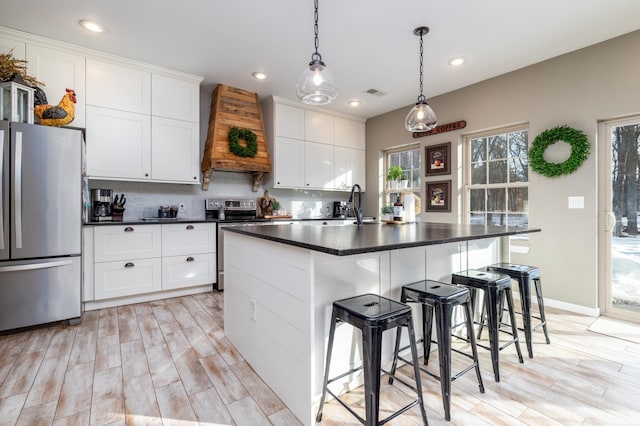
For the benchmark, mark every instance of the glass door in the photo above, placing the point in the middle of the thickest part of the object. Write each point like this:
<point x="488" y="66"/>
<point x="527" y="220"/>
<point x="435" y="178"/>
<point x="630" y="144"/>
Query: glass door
<point x="619" y="197"/>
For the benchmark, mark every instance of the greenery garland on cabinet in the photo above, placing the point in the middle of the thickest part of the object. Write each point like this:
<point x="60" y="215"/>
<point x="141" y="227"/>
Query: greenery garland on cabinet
<point x="250" y="150"/>
<point x="579" y="151"/>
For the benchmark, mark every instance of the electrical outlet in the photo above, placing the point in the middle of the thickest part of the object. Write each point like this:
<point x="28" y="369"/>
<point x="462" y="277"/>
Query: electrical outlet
<point x="252" y="314"/>
<point x="181" y="207"/>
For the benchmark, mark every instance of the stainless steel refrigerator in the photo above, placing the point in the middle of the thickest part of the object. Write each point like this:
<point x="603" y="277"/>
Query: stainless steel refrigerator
<point x="40" y="224"/>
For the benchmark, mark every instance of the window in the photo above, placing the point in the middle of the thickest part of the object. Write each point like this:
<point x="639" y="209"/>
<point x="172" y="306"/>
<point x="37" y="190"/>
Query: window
<point x="497" y="190"/>
<point x="408" y="158"/>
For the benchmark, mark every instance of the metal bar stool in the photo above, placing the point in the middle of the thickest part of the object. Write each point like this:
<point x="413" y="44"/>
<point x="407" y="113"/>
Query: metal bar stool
<point x="493" y="285"/>
<point x="524" y="275"/>
<point x="372" y="314"/>
<point x="440" y="299"/>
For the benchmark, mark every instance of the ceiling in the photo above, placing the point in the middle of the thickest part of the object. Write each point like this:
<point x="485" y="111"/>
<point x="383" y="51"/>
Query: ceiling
<point x="368" y="44"/>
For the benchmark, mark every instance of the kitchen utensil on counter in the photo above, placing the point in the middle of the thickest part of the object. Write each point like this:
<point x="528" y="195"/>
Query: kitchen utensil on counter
<point x="102" y="206"/>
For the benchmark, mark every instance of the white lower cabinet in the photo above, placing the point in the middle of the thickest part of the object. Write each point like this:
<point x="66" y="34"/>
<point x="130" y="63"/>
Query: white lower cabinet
<point x="131" y="263"/>
<point x="126" y="278"/>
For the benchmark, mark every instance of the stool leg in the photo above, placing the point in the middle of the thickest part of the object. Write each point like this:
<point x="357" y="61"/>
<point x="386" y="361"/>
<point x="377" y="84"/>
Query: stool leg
<point x="538" y="285"/>
<point x="491" y="302"/>
<point x="416" y="370"/>
<point x="472" y="341"/>
<point x="482" y="319"/>
<point x="525" y="299"/>
<point x="512" y="318"/>
<point x="427" y="317"/>
<point x="332" y="332"/>
<point x="395" y="355"/>
<point x="372" y="354"/>
<point x="443" y="330"/>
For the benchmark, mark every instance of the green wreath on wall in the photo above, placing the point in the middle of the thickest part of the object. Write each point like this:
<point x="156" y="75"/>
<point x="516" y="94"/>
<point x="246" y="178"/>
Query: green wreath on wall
<point x="250" y="150"/>
<point x="579" y="151"/>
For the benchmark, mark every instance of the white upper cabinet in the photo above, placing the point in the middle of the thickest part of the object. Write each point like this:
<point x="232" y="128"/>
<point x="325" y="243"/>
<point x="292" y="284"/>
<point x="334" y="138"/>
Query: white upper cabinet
<point x="59" y="70"/>
<point x="288" y="156"/>
<point x="357" y="135"/>
<point x="118" y="144"/>
<point x="288" y="121"/>
<point x="349" y="133"/>
<point x="175" y="98"/>
<point x="318" y="127"/>
<point x="176" y="149"/>
<point x="120" y="87"/>
<point x="318" y="165"/>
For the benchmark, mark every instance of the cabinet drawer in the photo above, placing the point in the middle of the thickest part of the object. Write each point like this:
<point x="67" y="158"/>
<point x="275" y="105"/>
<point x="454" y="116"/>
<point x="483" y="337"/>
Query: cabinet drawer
<point x="187" y="271"/>
<point x="188" y="238"/>
<point x="126" y="242"/>
<point x="126" y="278"/>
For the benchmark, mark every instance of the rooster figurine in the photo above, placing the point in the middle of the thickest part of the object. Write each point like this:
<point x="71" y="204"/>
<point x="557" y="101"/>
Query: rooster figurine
<point x="57" y="115"/>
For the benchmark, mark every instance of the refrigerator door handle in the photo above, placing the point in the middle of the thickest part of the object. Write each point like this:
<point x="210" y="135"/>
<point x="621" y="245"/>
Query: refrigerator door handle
<point x="17" y="182"/>
<point x="1" y="189"/>
<point x="32" y="266"/>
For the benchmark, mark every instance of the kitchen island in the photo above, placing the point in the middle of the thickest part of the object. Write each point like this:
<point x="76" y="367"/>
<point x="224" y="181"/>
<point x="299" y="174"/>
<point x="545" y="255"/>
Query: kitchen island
<point x="282" y="280"/>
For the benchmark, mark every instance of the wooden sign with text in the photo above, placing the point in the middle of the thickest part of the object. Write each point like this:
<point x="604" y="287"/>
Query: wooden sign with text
<point x="449" y="127"/>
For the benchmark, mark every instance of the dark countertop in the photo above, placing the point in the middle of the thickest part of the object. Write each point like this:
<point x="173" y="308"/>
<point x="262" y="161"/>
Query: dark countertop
<point x="349" y="239"/>
<point x="187" y="220"/>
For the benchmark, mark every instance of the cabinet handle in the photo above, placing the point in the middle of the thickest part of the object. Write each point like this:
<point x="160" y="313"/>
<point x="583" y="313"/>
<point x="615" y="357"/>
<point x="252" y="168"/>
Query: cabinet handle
<point x="129" y="265"/>
<point x="278" y="183"/>
<point x="195" y="178"/>
<point x="146" y="175"/>
<point x="190" y="259"/>
<point x="189" y="227"/>
<point x="128" y="229"/>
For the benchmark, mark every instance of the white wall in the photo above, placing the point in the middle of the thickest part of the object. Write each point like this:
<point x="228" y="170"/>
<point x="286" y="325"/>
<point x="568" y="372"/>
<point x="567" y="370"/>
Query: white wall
<point x="578" y="89"/>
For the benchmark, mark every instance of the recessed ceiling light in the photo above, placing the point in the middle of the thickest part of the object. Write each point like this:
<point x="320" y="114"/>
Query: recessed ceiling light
<point x="456" y="62"/>
<point x="354" y="103"/>
<point x="92" y="26"/>
<point x="259" y="75"/>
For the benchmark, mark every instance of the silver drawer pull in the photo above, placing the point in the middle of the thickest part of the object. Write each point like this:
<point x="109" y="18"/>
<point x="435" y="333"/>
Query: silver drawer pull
<point x="189" y="227"/>
<point x="129" y="265"/>
<point x="128" y="229"/>
<point x="190" y="259"/>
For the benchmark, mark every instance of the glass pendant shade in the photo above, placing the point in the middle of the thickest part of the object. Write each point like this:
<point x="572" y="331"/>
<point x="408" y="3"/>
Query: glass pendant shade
<point x="316" y="85"/>
<point x="421" y="118"/>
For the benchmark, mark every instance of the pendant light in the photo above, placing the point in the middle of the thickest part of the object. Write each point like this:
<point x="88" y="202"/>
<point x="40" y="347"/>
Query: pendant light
<point x="316" y="85"/>
<point x="421" y="118"/>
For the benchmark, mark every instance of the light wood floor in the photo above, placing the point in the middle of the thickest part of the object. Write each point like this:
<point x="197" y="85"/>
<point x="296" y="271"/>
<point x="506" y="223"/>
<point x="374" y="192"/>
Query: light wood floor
<point x="168" y="362"/>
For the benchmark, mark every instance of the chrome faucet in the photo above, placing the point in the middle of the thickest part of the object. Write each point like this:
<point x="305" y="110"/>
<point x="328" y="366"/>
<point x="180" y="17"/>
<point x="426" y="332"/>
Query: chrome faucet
<point x="357" y="210"/>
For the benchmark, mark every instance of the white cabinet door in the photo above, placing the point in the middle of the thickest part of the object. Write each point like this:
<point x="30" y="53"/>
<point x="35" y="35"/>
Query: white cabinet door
<point x="175" y="98"/>
<point x="188" y="271"/>
<point x="343" y="176"/>
<point x="127" y="277"/>
<point x="188" y="238"/>
<point x="176" y="147"/>
<point x="288" y="163"/>
<point x="318" y="127"/>
<point x="357" y="135"/>
<point x="118" y="144"/>
<point x="127" y="242"/>
<point x="59" y="70"/>
<point x="318" y="165"/>
<point x="116" y="86"/>
<point x="289" y="121"/>
<point x="341" y="132"/>
<point x="358" y="167"/>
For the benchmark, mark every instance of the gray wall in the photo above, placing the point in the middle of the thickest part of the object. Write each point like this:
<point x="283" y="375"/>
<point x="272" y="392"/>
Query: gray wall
<point x="578" y="89"/>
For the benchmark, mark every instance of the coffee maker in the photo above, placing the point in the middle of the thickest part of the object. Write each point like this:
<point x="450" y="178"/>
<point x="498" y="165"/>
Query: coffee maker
<point x="340" y="209"/>
<point x="101" y="205"/>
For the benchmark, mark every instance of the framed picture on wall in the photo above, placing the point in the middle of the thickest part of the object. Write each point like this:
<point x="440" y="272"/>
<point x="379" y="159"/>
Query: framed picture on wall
<point x="438" y="159"/>
<point x="438" y="196"/>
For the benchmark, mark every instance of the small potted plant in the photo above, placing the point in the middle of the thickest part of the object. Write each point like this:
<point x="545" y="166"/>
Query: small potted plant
<point x="394" y="173"/>
<point x="277" y="209"/>
<point x="386" y="212"/>
<point x="404" y="180"/>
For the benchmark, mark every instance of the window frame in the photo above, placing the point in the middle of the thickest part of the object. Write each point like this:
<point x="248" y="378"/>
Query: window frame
<point x="387" y="192"/>
<point x="466" y="140"/>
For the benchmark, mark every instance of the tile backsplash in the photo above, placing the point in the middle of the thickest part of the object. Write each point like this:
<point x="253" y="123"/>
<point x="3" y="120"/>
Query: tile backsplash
<point x="143" y="199"/>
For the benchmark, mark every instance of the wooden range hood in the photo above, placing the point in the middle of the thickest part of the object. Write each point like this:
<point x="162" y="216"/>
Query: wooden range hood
<point x="234" y="107"/>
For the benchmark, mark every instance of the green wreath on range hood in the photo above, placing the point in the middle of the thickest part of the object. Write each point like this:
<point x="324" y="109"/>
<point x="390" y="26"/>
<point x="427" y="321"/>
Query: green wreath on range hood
<point x="580" y="148"/>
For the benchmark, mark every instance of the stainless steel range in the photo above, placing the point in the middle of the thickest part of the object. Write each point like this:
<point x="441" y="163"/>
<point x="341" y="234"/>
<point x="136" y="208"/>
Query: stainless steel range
<point x="232" y="212"/>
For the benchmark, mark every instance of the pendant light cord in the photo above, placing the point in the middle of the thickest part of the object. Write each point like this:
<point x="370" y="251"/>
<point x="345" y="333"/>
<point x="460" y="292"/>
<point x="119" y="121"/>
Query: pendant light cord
<point x="316" y="55"/>
<point x="421" y="96"/>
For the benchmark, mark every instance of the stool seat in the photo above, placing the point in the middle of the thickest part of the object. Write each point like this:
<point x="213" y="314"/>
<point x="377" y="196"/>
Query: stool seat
<point x="493" y="285"/>
<point x="524" y="274"/>
<point x="372" y="314"/>
<point x="439" y="300"/>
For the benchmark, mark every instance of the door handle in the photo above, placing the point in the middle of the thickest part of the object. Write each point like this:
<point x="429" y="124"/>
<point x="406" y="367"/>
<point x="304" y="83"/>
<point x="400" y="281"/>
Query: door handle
<point x="610" y="220"/>
<point x="17" y="186"/>
<point x="32" y="266"/>
<point x="1" y="190"/>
